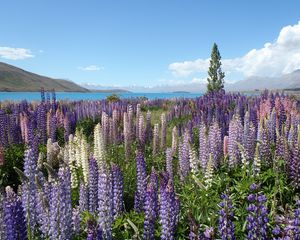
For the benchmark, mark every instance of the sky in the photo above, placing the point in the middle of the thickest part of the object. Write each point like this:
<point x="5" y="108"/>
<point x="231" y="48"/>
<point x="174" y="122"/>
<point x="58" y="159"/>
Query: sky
<point x="148" y="43"/>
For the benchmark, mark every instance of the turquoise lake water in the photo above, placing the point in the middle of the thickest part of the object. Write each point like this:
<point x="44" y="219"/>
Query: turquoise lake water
<point x="36" y="96"/>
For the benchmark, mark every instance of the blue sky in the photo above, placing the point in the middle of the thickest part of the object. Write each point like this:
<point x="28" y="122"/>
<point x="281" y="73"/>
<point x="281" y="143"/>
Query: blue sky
<point x="146" y="43"/>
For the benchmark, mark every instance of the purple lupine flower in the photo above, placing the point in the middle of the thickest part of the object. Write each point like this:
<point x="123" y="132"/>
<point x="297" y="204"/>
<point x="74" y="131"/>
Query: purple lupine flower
<point x="208" y="233"/>
<point x="9" y="215"/>
<point x="258" y="215"/>
<point x="105" y="206"/>
<point x="20" y="220"/>
<point x="155" y="139"/>
<point x="271" y="126"/>
<point x="54" y="211"/>
<point x="183" y="157"/>
<point x="76" y="220"/>
<point x="215" y="144"/>
<point x="249" y="137"/>
<point x="169" y="211"/>
<point x="151" y="205"/>
<point x="148" y="127"/>
<point x="83" y="197"/>
<point x="265" y="152"/>
<point x="117" y="185"/>
<point x="297" y="221"/>
<point x="29" y="189"/>
<point x="93" y="185"/>
<point x="226" y="226"/>
<point x="203" y="146"/>
<point x="169" y="162"/>
<point x="65" y="203"/>
<point x="91" y="230"/>
<point x="141" y="182"/>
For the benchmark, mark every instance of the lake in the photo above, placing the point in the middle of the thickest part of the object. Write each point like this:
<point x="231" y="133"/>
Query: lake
<point x="36" y="96"/>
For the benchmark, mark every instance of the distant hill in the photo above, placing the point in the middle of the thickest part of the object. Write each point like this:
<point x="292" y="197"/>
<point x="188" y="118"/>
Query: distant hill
<point x="286" y="81"/>
<point x="13" y="79"/>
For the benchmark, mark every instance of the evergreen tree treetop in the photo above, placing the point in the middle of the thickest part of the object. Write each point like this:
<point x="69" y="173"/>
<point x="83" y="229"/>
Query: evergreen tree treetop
<point x="215" y="75"/>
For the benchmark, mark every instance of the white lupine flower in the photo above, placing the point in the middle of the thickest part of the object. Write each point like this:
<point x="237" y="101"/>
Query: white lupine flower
<point x="208" y="177"/>
<point x="99" y="147"/>
<point x="194" y="160"/>
<point x="257" y="161"/>
<point x="84" y="159"/>
<point x="155" y="138"/>
<point x="72" y="163"/>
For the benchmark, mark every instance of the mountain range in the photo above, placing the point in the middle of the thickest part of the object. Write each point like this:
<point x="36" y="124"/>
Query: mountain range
<point x="18" y="80"/>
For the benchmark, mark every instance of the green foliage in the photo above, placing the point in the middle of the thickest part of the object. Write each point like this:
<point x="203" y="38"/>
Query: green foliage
<point x="60" y="133"/>
<point x="87" y="127"/>
<point x="13" y="157"/>
<point x="113" y="98"/>
<point x="215" y="75"/>
<point x="129" y="226"/>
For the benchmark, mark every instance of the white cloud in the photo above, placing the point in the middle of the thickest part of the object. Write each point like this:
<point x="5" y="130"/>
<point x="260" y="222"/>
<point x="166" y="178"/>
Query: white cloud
<point x="273" y="59"/>
<point x="15" y="53"/>
<point x="91" y="68"/>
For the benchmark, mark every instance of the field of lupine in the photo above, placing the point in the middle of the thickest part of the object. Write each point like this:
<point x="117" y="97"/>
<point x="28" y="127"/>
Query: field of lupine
<point x="222" y="166"/>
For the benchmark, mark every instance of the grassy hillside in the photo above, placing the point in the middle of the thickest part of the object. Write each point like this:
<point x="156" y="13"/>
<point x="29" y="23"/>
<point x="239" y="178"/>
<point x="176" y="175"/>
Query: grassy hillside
<point x="19" y="80"/>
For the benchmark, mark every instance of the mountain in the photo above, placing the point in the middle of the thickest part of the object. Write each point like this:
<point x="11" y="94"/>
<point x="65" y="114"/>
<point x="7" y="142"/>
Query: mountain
<point x="103" y="89"/>
<point x="286" y="81"/>
<point x="13" y="79"/>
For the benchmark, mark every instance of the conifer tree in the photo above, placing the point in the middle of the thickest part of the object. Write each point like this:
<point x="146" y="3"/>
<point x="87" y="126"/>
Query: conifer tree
<point x="215" y="75"/>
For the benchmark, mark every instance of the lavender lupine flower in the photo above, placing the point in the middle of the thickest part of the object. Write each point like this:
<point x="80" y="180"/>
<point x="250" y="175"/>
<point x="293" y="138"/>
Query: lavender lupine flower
<point x="234" y="137"/>
<point x="76" y="220"/>
<point x="174" y="140"/>
<point x="271" y="126"/>
<point x="279" y="147"/>
<point x="65" y="203"/>
<point x="141" y="182"/>
<point x="248" y="139"/>
<point x="226" y="225"/>
<point x="294" y="168"/>
<point x="203" y="146"/>
<point x="183" y="157"/>
<point x="93" y="185"/>
<point x="151" y="205"/>
<point x="163" y="137"/>
<point x="208" y="233"/>
<point x="169" y="211"/>
<point x="215" y="144"/>
<point x="54" y="211"/>
<point x="117" y="185"/>
<point x="258" y="215"/>
<point x="155" y="139"/>
<point x="91" y="230"/>
<point x="127" y="136"/>
<point x="148" y="127"/>
<point x="20" y="220"/>
<point x="2" y="225"/>
<point x="42" y="206"/>
<point x="141" y="133"/>
<point x="105" y="206"/>
<point x="169" y="162"/>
